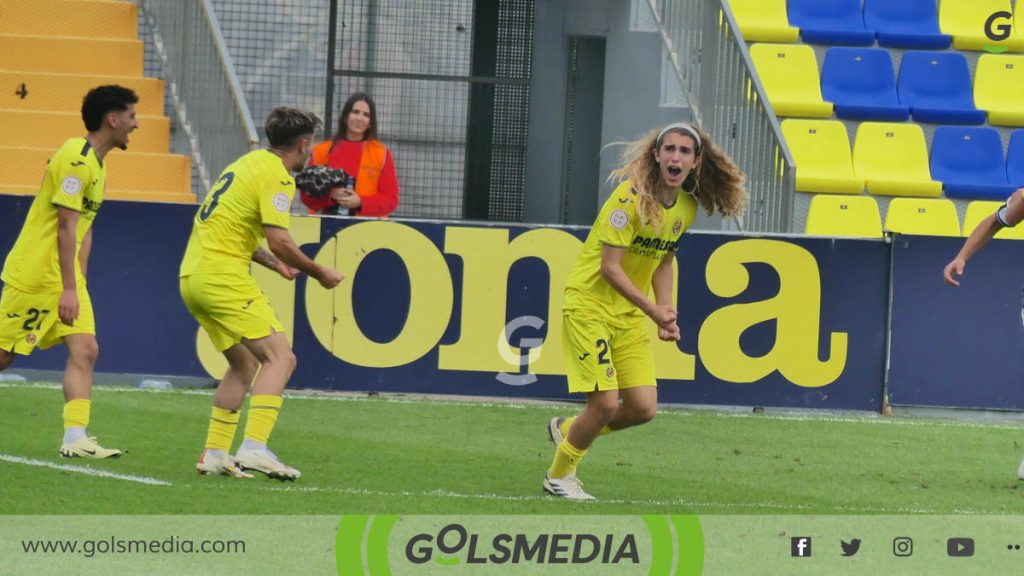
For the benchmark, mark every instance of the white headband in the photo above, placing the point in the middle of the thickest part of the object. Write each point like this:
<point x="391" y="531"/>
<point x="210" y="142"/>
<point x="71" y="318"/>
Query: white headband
<point x="679" y="126"/>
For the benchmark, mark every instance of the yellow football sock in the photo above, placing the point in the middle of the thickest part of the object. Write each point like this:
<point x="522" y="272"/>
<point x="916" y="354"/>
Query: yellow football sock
<point x="263" y="410"/>
<point x="567" y="423"/>
<point x="76" y="413"/>
<point x="221" y="434"/>
<point x="566" y="458"/>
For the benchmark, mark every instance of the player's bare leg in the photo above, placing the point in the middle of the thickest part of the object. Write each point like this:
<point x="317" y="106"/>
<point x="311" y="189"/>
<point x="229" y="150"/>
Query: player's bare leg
<point x="83" y="351"/>
<point x="227" y="404"/>
<point x="639" y="405"/>
<point x="6" y="359"/>
<point x="277" y="363"/>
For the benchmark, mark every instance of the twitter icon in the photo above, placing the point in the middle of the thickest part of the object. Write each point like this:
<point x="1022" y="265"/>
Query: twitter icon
<point x="850" y="548"/>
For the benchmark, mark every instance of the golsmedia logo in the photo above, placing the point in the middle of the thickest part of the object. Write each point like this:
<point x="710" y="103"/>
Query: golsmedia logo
<point x="454" y="540"/>
<point x="388" y="544"/>
<point x="998" y="28"/>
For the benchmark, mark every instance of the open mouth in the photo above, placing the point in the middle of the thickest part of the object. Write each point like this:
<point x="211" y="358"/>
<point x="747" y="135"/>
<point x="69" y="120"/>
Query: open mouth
<point x="675" y="171"/>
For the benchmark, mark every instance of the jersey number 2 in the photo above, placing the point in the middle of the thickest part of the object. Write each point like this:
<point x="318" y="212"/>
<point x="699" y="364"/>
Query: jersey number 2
<point x="219" y="188"/>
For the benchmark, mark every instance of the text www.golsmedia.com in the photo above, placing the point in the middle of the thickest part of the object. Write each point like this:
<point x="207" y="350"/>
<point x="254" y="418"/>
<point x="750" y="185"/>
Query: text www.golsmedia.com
<point x="112" y="545"/>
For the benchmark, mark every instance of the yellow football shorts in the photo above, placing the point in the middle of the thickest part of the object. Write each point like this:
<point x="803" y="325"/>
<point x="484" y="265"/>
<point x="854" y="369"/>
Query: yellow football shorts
<point x="599" y="356"/>
<point x="30" y="320"/>
<point x="229" y="307"/>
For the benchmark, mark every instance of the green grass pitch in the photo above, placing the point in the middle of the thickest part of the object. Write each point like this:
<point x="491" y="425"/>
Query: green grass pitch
<point x="421" y="456"/>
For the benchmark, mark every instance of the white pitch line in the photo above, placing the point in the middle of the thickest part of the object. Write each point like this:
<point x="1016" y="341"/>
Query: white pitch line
<point x="84" y="470"/>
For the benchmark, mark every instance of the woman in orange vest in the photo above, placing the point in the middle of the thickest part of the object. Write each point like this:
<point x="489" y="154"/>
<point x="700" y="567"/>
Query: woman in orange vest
<point x="356" y="150"/>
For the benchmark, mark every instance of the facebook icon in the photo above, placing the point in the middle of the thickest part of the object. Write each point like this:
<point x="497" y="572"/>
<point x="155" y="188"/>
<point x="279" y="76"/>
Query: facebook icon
<point x="800" y="546"/>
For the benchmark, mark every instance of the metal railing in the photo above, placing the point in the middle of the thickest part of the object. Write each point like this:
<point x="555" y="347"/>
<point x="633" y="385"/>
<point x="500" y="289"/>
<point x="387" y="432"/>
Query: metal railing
<point x="729" y="102"/>
<point x="200" y="77"/>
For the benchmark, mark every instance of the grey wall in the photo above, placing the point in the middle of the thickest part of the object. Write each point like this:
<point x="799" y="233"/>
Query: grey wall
<point x="634" y="92"/>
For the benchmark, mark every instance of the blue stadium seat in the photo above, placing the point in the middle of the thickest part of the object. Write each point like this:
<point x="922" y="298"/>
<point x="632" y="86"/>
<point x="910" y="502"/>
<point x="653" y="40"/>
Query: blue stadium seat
<point x="912" y="24"/>
<point x="1015" y="159"/>
<point x="937" y="88"/>
<point x="838" y="22"/>
<point x="969" y="163"/>
<point x="862" y="85"/>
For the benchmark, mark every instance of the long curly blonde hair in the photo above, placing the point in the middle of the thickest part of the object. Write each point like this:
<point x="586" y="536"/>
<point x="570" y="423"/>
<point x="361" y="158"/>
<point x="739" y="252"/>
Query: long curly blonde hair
<point x="715" y="182"/>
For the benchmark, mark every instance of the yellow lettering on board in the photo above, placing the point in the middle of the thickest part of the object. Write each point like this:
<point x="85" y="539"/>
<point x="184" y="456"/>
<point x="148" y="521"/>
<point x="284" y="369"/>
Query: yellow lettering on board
<point x="796" y="310"/>
<point x="431" y="295"/>
<point x="487" y="256"/>
<point x="281" y="292"/>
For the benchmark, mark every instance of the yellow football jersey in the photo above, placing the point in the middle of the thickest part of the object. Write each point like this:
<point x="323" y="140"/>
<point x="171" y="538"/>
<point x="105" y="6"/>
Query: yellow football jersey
<point x="253" y="192"/>
<point x="619" y="224"/>
<point x="74" y="179"/>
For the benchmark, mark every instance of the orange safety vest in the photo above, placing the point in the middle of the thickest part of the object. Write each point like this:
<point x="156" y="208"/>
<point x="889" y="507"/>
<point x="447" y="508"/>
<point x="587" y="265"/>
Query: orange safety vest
<point x="371" y="165"/>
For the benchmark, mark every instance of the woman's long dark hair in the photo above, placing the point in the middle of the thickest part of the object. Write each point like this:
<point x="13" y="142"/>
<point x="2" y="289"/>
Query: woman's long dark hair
<point x="371" y="132"/>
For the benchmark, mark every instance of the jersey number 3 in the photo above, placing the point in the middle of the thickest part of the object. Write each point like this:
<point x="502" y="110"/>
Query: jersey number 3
<point x="219" y="188"/>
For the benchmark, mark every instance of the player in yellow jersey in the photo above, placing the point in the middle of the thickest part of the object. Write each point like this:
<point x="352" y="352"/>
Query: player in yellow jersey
<point x="250" y="201"/>
<point x="45" y="300"/>
<point x="629" y="251"/>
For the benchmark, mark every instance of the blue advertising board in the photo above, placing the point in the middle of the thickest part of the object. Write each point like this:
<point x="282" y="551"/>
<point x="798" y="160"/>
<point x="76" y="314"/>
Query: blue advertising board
<point x="957" y="347"/>
<point x="475" y="309"/>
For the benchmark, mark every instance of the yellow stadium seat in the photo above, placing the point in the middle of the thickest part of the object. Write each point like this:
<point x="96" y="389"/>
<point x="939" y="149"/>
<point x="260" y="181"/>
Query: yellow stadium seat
<point x="764" y="20"/>
<point x="64" y="92"/>
<point x="844" y="216"/>
<point x="981" y="209"/>
<point x="126" y="171"/>
<point x="66" y="54"/>
<point x="998" y="88"/>
<point x="43" y="129"/>
<point x="922" y="217"/>
<point x="789" y="74"/>
<point x="821" y="150"/>
<point x="965" y="20"/>
<point x="893" y="160"/>
<point x="92" y="18"/>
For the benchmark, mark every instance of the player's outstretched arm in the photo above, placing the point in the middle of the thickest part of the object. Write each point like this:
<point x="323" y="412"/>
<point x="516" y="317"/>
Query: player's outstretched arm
<point x="268" y="260"/>
<point x="1011" y="214"/>
<point x="282" y="245"/>
<point x="67" y="238"/>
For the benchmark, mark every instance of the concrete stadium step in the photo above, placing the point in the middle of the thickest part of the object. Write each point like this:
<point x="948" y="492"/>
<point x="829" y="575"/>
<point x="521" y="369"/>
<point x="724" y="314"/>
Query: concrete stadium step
<point x="64" y="92"/>
<point x="126" y="171"/>
<point x="124" y="195"/>
<point x="70" y="54"/>
<point x="85" y="18"/>
<point x="42" y="129"/>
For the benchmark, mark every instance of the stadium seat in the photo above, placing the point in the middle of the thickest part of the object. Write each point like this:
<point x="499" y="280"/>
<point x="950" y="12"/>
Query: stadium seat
<point x="981" y="209"/>
<point x="844" y="216"/>
<point x="937" y="88"/>
<point x="912" y="24"/>
<point x="821" y="150"/>
<point x="922" y="217"/>
<point x="789" y="74"/>
<point x="46" y="129"/>
<point x="127" y="171"/>
<point x="998" y="85"/>
<point x="95" y="19"/>
<point x="764" y="20"/>
<point x="860" y="82"/>
<point x="1015" y="159"/>
<point x="964" y="20"/>
<point x="893" y="160"/>
<point x="969" y="163"/>
<point x="834" y="22"/>
<point x="63" y="92"/>
<point x="71" y="55"/>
